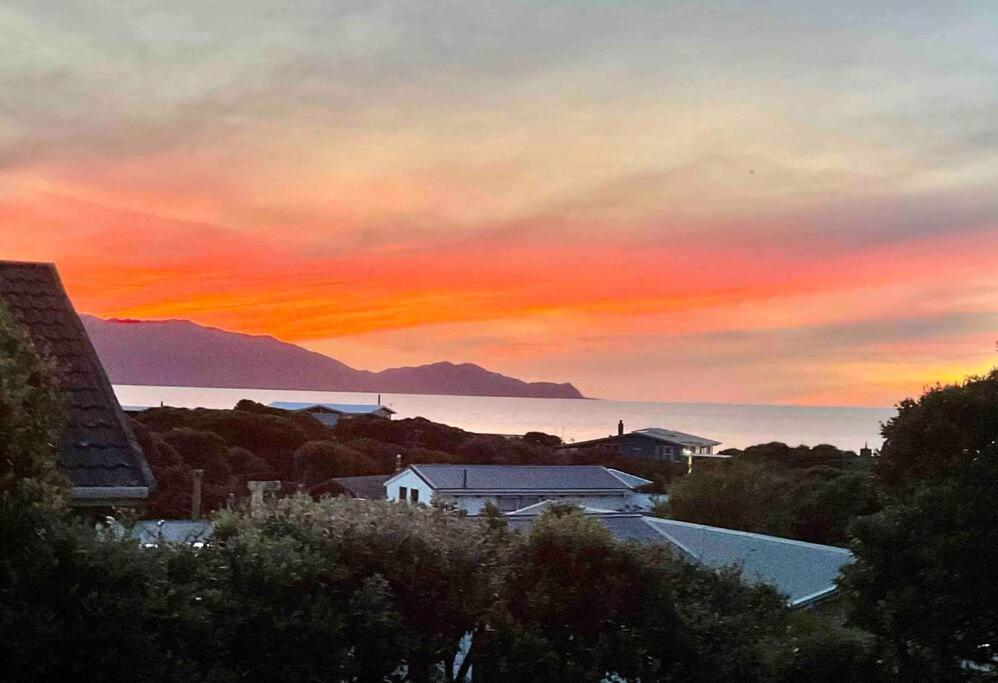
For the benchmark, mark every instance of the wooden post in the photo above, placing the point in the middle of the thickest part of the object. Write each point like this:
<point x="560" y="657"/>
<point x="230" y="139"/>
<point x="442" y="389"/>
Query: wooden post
<point x="197" y="477"/>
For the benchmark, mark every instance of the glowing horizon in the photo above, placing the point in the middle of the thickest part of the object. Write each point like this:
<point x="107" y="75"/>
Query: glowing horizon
<point x="655" y="201"/>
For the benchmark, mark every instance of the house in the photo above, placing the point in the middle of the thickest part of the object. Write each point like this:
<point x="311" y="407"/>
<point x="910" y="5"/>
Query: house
<point x="511" y="487"/>
<point x="104" y="463"/>
<point x="804" y="572"/>
<point x="331" y="413"/>
<point x="652" y="443"/>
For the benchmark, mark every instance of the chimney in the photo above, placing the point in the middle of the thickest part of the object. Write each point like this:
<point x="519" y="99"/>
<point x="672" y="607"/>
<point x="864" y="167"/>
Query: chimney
<point x="197" y="477"/>
<point x="620" y="428"/>
<point x="398" y="462"/>
<point x="464" y="481"/>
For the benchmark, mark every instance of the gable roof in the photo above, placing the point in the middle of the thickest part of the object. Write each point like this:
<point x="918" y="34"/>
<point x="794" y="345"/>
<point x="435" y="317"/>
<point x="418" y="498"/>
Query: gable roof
<point x="660" y="434"/>
<point x="494" y="478"/>
<point x="98" y="450"/>
<point x="344" y="408"/>
<point x="804" y="572"/>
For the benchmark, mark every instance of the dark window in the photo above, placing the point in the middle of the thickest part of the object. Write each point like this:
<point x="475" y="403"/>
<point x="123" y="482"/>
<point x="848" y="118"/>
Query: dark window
<point x="414" y="495"/>
<point x="403" y="492"/>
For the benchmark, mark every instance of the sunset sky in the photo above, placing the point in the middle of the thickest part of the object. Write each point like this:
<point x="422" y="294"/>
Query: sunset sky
<point x="753" y="202"/>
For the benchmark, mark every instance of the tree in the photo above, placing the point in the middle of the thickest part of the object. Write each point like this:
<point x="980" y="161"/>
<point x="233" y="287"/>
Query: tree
<point x="32" y="417"/>
<point x="923" y="580"/>
<point x="811" y="494"/>
<point x="942" y="429"/>
<point x="580" y="606"/>
<point x="318" y="461"/>
<point x="437" y="568"/>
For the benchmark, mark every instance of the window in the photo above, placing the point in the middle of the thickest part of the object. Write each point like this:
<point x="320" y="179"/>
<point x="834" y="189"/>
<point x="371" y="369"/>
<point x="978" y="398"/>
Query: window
<point x="403" y="492"/>
<point x="414" y="495"/>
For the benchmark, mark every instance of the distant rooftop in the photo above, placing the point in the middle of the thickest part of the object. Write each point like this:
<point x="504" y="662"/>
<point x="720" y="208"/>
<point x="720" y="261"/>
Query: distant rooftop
<point x="344" y="408"/>
<point x="805" y="572"/>
<point x="527" y="478"/>
<point x="97" y="449"/>
<point x="672" y="436"/>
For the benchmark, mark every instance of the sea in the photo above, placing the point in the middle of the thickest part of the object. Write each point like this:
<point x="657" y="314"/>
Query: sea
<point x="734" y="425"/>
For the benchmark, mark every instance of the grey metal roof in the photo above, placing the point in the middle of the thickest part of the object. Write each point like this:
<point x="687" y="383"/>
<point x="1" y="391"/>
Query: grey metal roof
<point x="97" y="449"/>
<point x="370" y="487"/>
<point x="674" y="437"/>
<point x="346" y="408"/>
<point x="527" y="478"/>
<point x="804" y="572"/>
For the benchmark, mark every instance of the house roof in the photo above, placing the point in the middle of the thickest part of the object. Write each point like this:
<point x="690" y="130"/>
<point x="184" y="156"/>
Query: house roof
<point x="804" y="572"/>
<point x="370" y="487"/>
<point x="674" y="437"/>
<point x="526" y="478"/>
<point x="98" y="450"/>
<point x="345" y="408"/>
<point x="669" y="436"/>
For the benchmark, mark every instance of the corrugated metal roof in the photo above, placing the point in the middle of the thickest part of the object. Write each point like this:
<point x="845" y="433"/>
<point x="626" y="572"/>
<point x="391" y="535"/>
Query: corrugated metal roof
<point x="97" y="448"/>
<point x="346" y="408"/>
<point x="527" y="477"/>
<point x="804" y="572"/>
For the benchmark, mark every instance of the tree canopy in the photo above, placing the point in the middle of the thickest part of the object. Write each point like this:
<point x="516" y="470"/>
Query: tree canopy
<point x="32" y="416"/>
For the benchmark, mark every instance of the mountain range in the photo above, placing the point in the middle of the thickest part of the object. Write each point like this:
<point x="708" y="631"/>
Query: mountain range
<point x="183" y="353"/>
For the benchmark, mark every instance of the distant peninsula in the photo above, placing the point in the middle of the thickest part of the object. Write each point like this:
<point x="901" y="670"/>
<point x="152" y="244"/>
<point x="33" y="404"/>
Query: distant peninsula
<point x="183" y="353"/>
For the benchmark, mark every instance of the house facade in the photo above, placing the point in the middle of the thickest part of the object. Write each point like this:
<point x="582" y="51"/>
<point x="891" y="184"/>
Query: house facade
<point x="652" y="443"/>
<point x="511" y="487"/>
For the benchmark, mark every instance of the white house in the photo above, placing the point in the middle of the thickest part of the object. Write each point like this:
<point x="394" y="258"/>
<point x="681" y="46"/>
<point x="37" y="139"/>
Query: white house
<point x="511" y="487"/>
<point x="331" y="413"/>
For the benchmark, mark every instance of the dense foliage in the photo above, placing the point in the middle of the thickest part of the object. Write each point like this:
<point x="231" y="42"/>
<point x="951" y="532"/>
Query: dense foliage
<point x="811" y="494"/>
<point x="923" y="581"/>
<point x="31" y="417"/>
<point x="344" y="589"/>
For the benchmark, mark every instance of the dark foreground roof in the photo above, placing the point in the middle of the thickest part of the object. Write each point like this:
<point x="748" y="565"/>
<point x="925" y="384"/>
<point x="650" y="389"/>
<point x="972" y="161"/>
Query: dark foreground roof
<point x="370" y="488"/>
<point x="527" y="478"/>
<point x="804" y="572"/>
<point x="98" y="450"/>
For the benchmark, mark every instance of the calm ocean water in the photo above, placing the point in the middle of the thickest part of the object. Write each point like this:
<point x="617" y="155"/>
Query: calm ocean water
<point x="733" y="425"/>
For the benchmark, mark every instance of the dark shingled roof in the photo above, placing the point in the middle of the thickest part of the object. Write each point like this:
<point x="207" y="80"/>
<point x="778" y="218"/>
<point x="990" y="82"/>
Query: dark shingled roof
<point x="370" y="487"/>
<point x="98" y="449"/>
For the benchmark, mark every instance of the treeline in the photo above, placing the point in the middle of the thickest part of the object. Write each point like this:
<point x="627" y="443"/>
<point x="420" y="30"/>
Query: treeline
<point x="254" y="441"/>
<point x="351" y="590"/>
<point x="811" y="494"/>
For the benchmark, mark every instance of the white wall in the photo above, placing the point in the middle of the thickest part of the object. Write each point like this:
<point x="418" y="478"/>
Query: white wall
<point x="411" y="481"/>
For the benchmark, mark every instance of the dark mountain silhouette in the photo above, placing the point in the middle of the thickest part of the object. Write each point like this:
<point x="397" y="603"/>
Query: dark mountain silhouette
<point x="182" y="353"/>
